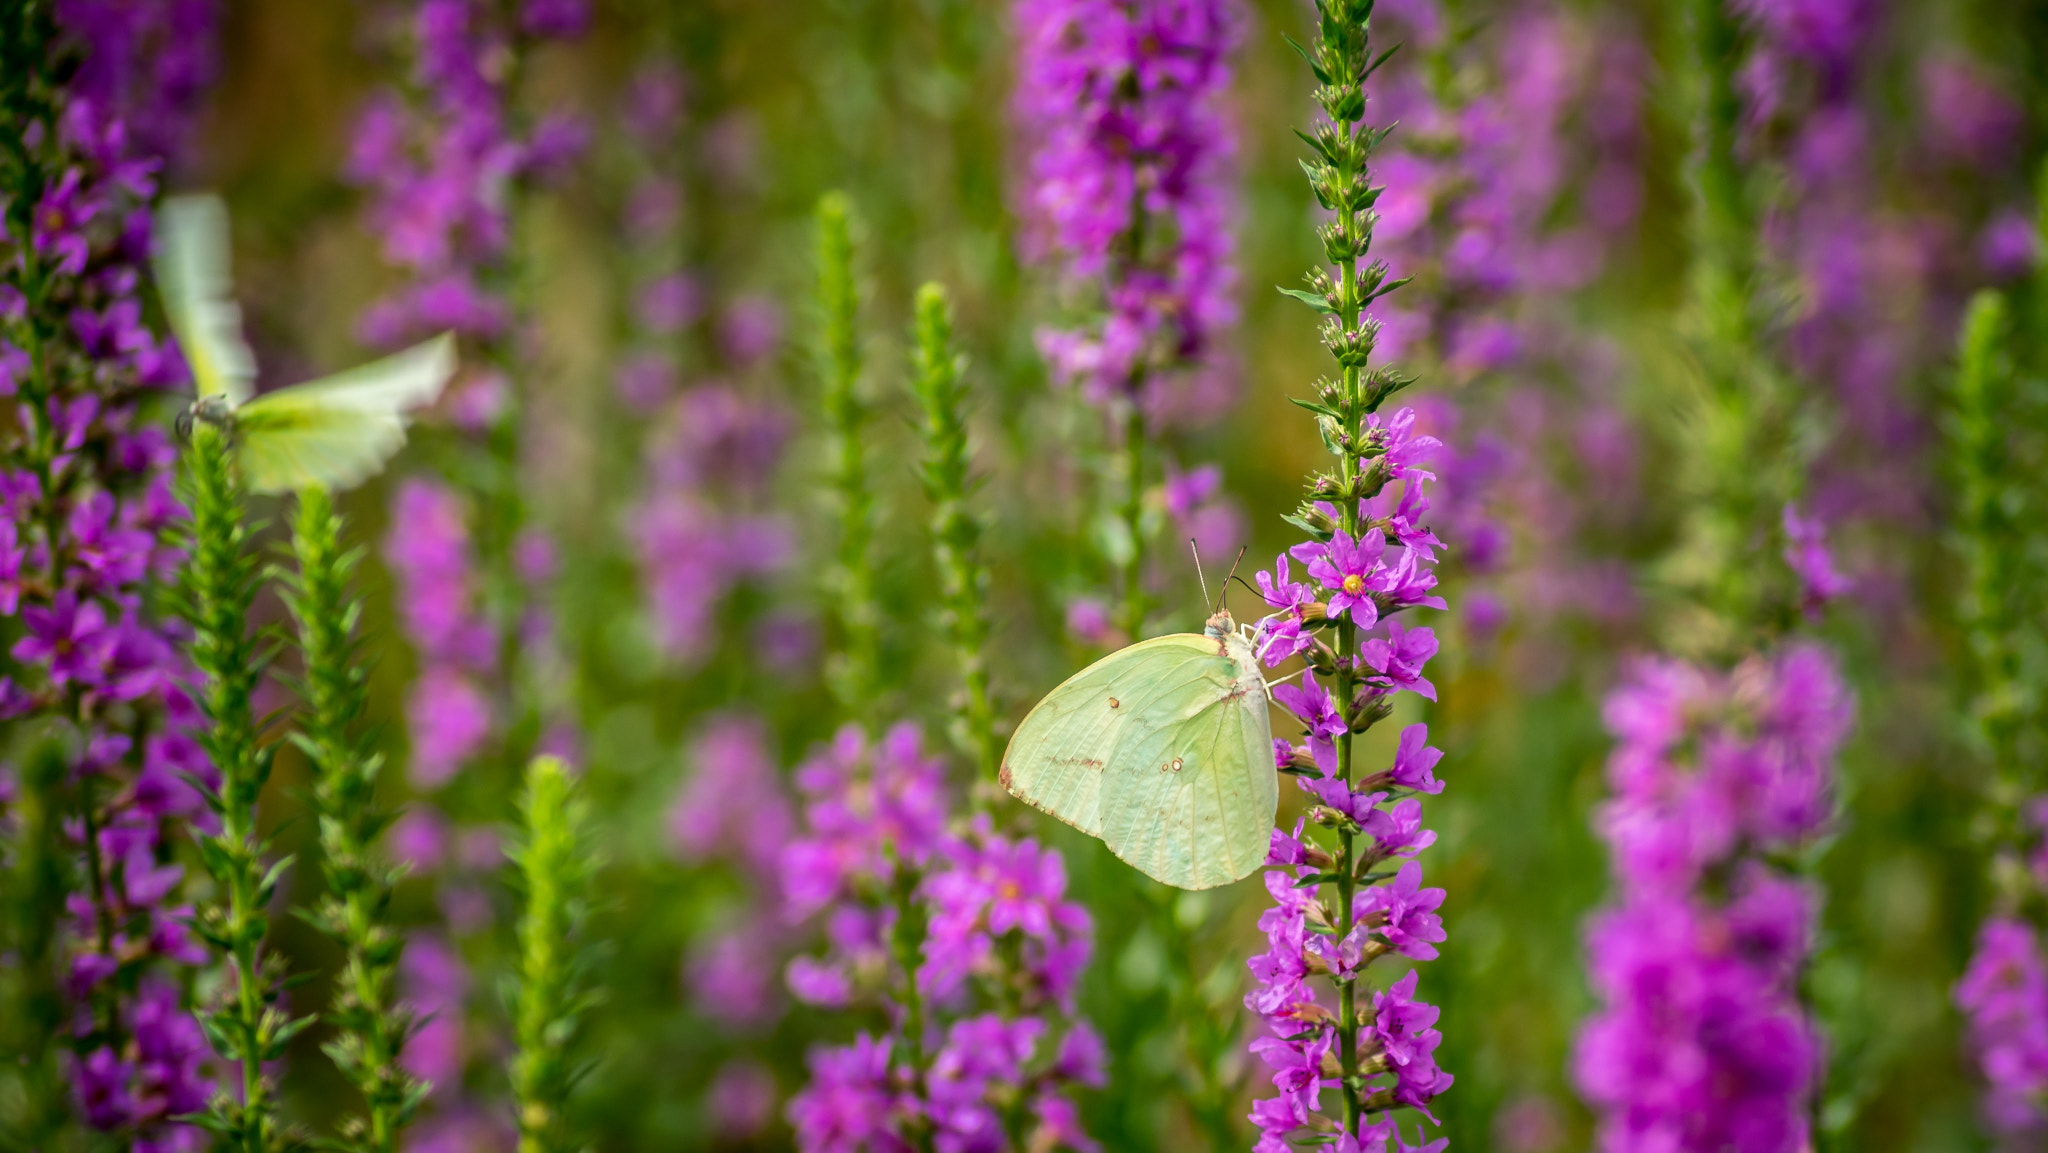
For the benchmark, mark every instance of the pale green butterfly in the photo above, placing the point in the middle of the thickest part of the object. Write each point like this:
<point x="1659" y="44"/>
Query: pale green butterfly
<point x="1164" y="751"/>
<point x="333" y="433"/>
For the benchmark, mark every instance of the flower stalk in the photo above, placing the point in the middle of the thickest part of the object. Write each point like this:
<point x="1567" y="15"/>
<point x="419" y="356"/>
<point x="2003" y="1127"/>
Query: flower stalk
<point x="555" y="868"/>
<point x="371" y="1027"/>
<point x="856" y="661"/>
<point x="938" y="381"/>
<point x="1370" y="559"/>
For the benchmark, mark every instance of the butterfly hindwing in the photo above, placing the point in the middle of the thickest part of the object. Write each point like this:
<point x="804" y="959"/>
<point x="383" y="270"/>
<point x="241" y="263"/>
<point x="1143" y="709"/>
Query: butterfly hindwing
<point x="338" y="431"/>
<point x="1099" y="753"/>
<point x="1190" y="800"/>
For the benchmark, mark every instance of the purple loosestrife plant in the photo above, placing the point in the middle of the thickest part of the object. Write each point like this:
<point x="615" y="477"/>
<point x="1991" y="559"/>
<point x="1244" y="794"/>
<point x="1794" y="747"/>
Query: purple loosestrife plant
<point x="1993" y="444"/>
<point x="93" y="98"/>
<point x="963" y="936"/>
<point x="250" y="1028"/>
<point x="371" y="1026"/>
<point x="1702" y="1043"/>
<point x="1121" y="103"/>
<point x="701" y="528"/>
<point x="1723" y="777"/>
<point x="446" y="158"/>
<point x="1351" y="892"/>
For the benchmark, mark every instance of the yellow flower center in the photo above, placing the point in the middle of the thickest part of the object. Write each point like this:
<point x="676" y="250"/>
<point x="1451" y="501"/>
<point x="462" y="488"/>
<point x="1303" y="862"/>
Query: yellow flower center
<point x="1354" y="585"/>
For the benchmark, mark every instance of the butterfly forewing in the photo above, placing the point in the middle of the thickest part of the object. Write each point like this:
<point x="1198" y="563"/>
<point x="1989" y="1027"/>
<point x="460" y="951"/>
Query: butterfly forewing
<point x="1164" y="751"/>
<point x="1059" y="755"/>
<point x="192" y="273"/>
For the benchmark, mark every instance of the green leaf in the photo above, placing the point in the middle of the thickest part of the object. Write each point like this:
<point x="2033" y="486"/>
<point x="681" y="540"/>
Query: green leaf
<point x="1312" y="299"/>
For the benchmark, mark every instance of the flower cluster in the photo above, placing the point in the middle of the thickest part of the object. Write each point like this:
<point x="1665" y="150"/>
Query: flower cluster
<point x="1366" y="580"/>
<point x="1122" y="104"/>
<point x="1702" y="1043"/>
<point x="1506" y="193"/>
<point x="86" y="497"/>
<point x="969" y="933"/>
<point x="2004" y="998"/>
<point x="695" y="534"/>
<point x="732" y="808"/>
<point x="432" y="563"/>
<point x="440" y="160"/>
<point x="698" y="529"/>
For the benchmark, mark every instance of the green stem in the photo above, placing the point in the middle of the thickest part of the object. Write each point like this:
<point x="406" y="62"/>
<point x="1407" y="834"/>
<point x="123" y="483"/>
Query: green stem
<point x="1131" y="509"/>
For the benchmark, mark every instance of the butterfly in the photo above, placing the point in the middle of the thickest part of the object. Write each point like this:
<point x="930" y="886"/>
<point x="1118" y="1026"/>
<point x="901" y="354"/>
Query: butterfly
<point x="1164" y="751"/>
<point x="333" y="433"/>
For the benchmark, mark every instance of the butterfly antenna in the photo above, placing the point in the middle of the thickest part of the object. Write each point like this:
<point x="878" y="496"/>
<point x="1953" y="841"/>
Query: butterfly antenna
<point x="1193" y="548"/>
<point x="1226" y="580"/>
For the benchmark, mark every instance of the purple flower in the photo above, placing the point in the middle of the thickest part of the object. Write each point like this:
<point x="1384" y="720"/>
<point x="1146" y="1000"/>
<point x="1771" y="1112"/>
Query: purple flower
<point x="1314" y="706"/>
<point x="1398" y="832"/>
<point x="58" y="223"/>
<point x="1414" y="760"/>
<point x="868" y="810"/>
<point x="67" y="637"/>
<point x="1400" y="657"/>
<point x="1121" y="108"/>
<point x="851" y="1104"/>
<point x="1410" y="922"/>
<point x="733" y="803"/>
<point x="2004" y="998"/>
<point x="1806" y="551"/>
<point x="1349" y="569"/>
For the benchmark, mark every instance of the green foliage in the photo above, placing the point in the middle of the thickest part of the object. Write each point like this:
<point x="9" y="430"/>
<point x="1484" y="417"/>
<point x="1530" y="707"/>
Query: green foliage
<point x="371" y="1026"/>
<point x="33" y="1106"/>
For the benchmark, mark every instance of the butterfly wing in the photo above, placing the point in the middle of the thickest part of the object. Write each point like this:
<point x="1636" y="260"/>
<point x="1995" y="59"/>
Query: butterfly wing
<point x="337" y="432"/>
<point x="193" y="274"/>
<point x="1164" y="751"/>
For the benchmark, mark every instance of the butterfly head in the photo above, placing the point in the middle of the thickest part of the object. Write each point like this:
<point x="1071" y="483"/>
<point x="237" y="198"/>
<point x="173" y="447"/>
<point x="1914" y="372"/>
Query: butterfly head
<point x="214" y="409"/>
<point x="1220" y="624"/>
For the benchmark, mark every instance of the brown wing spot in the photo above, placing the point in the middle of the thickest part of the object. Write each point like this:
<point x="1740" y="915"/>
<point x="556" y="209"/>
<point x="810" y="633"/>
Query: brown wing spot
<point x="1003" y="776"/>
<point x="1113" y="702"/>
<point x="1172" y="766"/>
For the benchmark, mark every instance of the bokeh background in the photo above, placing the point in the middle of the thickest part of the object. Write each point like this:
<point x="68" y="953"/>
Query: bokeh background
<point x="1546" y="224"/>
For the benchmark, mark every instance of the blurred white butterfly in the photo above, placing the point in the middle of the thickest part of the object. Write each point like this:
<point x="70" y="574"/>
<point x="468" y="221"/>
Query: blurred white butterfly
<point x="332" y="433"/>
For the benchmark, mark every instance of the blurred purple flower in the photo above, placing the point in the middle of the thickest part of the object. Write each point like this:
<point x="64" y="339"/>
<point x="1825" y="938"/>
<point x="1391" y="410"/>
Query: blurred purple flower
<point x="1121" y="107"/>
<point x="2003" y="995"/>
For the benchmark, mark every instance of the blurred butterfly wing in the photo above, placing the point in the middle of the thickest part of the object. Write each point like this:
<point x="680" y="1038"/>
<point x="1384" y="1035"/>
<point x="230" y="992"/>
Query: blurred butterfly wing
<point x="339" y="431"/>
<point x="396" y="384"/>
<point x="307" y="444"/>
<point x="193" y="274"/>
<point x="1108" y="769"/>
